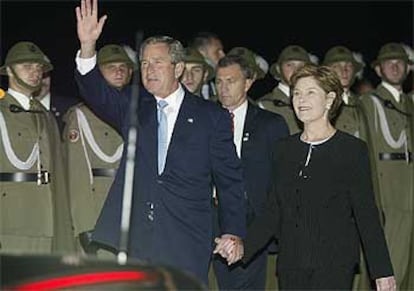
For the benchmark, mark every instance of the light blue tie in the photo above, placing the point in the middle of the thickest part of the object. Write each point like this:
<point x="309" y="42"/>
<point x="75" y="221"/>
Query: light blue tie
<point x="162" y="135"/>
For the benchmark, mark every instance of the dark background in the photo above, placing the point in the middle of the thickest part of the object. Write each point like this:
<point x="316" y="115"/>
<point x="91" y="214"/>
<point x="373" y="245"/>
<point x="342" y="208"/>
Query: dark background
<point x="266" y="27"/>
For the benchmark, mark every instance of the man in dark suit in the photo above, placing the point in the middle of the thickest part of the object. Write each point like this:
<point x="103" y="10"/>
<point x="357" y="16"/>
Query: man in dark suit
<point x="255" y="132"/>
<point x="171" y="212"/>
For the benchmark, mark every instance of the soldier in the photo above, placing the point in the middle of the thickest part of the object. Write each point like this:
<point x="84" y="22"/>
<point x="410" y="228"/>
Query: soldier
<point x="347" y="67"/>
<point x="94" y="149"/>
<point x="57" y="104"/>
<point x="291" y="58"/>
<point x="388" y="112"/>
<point x="197" y="72"/>
<point x="211" y="48"/>
<point x="34" y="207"/>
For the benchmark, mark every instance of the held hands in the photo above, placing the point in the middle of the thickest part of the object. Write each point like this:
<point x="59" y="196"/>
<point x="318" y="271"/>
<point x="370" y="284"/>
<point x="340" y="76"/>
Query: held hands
<point x="229" y="247"/>
<point x="386" y="284"/>
<point x="88" y="27"/>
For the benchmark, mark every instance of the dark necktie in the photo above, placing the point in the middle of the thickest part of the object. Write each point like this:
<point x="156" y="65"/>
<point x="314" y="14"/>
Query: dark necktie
<point x="232" y="121"/>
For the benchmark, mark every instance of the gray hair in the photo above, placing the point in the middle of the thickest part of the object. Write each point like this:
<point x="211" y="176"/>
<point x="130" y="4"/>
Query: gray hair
<point x="175" y="48"/>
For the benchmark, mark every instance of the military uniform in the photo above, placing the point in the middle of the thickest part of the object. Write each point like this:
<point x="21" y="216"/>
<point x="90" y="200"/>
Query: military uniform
<point x="33" y="204"/>
<point x="390" y="140"/>
<point x="34" y="207"/>
<point x="348" y="118"/>
<point x="93" y="150"/>
<point x="278" y="100"/>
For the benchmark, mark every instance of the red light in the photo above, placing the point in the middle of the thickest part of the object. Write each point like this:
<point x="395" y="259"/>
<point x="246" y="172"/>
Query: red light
<point x="86" y="279"/>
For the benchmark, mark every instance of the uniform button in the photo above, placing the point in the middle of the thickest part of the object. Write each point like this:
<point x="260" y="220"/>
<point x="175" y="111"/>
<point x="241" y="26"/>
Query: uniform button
<point x="297" y="207"/>
<point x="4" y="194"/>
<point x="296" y="225"/>
<point x="19" y="134"/>
<point x="106" y="133"/>
<point x="297" y="191"/>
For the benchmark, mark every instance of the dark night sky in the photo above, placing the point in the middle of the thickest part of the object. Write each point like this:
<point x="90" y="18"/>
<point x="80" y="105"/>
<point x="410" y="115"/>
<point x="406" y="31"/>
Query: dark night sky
<point x="264" y="26"/>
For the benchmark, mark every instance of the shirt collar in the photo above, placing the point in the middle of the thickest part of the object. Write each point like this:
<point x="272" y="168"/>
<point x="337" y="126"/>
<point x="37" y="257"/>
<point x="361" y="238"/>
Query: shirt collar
<point x="284" y="88"/>
<point x="174" y="99"/>
<point x="23" y="100"/>
<point x="345" y="97"/>
<point x="394" y="92"/>
<point x="241" y="109"/>
<point x="46" y="101"/>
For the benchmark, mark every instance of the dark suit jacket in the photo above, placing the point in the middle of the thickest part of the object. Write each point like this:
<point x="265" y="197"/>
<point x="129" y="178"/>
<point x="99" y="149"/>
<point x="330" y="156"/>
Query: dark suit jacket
<point x="201" y="146"/>
<point x="321" y="217"/>
<point x="261" y="130"/>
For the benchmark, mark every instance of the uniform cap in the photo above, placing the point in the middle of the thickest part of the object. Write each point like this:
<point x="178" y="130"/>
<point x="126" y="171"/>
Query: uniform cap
<point x="192" y="55"/>
<point x="289" y="53"/>
<point x="389" y="51"/>
<point x="23" y="52"/>
<point x="341" y="54"/>
<point x="113" y="53"/>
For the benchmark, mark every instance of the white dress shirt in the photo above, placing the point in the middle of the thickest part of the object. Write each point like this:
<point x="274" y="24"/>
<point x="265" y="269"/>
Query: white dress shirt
<point x="174" y="100"/>
<point x="239" y="118"/>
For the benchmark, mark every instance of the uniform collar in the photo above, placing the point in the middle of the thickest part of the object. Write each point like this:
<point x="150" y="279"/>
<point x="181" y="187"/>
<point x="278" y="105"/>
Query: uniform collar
<point x="394" y="92"/>
<point x="23" y="100"/>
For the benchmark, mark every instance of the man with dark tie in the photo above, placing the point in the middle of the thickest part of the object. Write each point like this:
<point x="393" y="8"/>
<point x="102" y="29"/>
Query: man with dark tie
<point x="183" y="147"/>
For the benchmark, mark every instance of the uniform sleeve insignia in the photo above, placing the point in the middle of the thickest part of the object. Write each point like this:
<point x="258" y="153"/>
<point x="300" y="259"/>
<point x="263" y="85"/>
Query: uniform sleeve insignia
<point x="73" y="135"/>
<point x="2" y="93"/>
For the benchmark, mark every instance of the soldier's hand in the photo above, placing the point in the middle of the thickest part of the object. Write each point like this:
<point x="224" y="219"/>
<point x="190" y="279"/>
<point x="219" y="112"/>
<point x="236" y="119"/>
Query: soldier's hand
<point x="88" y="27"/>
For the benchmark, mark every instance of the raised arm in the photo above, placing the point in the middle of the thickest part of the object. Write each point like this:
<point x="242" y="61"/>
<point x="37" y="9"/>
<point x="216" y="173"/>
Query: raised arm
<point x="88" y="27"/>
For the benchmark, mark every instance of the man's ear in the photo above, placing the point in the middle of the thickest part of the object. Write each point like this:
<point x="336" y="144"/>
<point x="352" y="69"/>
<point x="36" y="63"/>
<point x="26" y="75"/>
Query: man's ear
<point x="378" y="70"/>
<point x="9" y="71"/>
<point x="179" y="69"/>
<point x="249" y="83"/>
<point x="205" y="75"/>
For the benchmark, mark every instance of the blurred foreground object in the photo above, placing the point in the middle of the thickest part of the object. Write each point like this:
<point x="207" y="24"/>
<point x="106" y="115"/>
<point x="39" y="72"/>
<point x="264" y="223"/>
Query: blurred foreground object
<point x="80" y="273"/>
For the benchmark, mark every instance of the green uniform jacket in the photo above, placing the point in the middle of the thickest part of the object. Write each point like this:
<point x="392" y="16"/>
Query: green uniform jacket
<point x="349" y="118"/>
<point x="276" y="101"/>
<point x="35" y="219"/>
<point x="92" y="163"/>
<point x="394" y="177"/>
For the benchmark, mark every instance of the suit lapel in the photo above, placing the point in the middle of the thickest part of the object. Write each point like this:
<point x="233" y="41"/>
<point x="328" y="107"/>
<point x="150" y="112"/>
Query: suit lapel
<point x="147" y="138"/>
<point x="249" y="127"/>
<point x="183" y="127"/>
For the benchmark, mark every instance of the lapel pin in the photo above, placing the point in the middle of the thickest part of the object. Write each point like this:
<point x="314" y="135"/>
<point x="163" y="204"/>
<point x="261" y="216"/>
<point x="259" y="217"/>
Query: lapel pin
<point x="190" y="120"/>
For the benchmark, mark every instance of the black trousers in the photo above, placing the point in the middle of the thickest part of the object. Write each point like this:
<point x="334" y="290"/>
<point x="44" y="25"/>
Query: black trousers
<point x="316" y="279"/>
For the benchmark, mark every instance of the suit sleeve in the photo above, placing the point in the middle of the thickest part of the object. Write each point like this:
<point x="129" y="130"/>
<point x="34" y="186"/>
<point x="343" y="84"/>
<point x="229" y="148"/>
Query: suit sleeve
<point x="110" y="104"/>
<point x="267" y="224"/>
<point x="228" y="178"/>
<point x="366" y="215"/>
